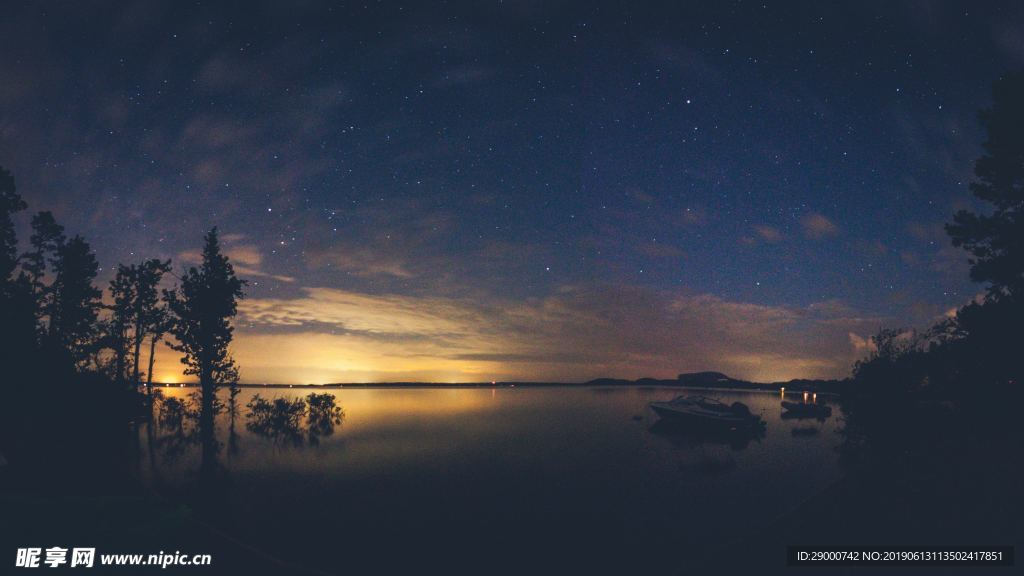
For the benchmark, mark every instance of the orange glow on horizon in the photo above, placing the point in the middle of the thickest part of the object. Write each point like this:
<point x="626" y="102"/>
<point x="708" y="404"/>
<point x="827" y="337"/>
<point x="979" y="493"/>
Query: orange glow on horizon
<point x="563" y="338"/>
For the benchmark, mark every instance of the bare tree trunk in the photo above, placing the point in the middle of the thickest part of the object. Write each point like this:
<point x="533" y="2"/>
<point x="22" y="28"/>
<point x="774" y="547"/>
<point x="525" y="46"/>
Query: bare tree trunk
<point x="139" y="336"/>
<point x="151" y="432"/>
<point x="152" y="360"/>
<point x="119" y="365"/>
<point x="206" y="421"/>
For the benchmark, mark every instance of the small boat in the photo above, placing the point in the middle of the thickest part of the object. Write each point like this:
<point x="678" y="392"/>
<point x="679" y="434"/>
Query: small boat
<point x="804" y="410"/>
<point x="699" y="410"/>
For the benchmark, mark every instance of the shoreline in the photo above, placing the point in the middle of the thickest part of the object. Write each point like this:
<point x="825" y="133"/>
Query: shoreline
<point x="670" y="384"/>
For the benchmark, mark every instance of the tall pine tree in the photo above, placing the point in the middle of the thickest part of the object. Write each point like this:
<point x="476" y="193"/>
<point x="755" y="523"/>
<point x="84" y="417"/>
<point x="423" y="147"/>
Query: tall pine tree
<point x="996" y="241"/>
<point x="202" y="307"/>
<point x="75" y="302"/>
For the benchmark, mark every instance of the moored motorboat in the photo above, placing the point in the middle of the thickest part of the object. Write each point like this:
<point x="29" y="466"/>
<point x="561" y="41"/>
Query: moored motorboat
<point x="698" y="410"/>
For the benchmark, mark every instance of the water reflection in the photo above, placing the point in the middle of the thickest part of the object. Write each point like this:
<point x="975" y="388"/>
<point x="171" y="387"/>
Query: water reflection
<point x="684" y="435"/>
<point x="820" y="417"/>
<point x="174" y="425"/>
<point x="278" y="419"/>
<point x="171" y="412"/>
<point x="428" y="466"/>
<point x="323" y="415"/>
<point x="294" y="421"/>
<point x="397" y="424"/>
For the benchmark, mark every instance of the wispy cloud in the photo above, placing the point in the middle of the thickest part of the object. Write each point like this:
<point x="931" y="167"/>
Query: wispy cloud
<point x="247" y="259"/>
<point x="659" y="250"/>
<point x="768" y="233"/>
<point x="573" y="334"/>
<point x="360" y="261"/>
<point x="818" y="226"/>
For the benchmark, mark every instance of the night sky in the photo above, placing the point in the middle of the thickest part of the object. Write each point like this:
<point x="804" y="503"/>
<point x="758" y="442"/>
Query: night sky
<point x="519" y="190"/>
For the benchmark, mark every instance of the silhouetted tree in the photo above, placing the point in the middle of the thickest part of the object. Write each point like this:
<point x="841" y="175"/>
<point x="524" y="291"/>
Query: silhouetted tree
<point x="986" y="335"/>
<point x="46" y="241"/>
<point x="898" y="365"/>
<point x="47" y="237"/>
<point x="160" y="324"/>
<point x="122" y="318"/>
<point x="996" y="241"/>
<point x="148" y="313"/>
<point x="60" y="415"/>
<point x="75" y="302"/>
<point x="202" y="307"/>
<point x="922" y="396"/>
<point x="977" y="347"/>
<point x="10" y="203"/>
<point x="17" y="309"/>
<point x="323" y="415"/>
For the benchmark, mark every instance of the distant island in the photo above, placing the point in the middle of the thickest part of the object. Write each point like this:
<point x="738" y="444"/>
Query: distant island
<point x="719" y="380"/>
<point x="687" y="380"/>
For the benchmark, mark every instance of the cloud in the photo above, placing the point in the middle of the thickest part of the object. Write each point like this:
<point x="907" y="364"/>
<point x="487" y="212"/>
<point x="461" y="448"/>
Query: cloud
<point x="762" y="234"/>
<point x="215" y="133"/>
<point x="405" y="238"/>
<point x="935" y="251"/>
<point x="359" y="261"/>
<point x="862" y="344"/>
<point x="245" y="254"/>
<point x="659" y="250"/>
<point x="245" y="258"/>
<point x="354" y="312"/>
<point x="573" y="334"/>
<point x="222" y="72"/>
<point x="768" y="233"/>
<point x="817" y="226"/>
<point x="245" y="272"/>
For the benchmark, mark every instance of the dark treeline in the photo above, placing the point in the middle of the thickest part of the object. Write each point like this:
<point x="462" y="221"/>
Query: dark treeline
<point x="976" y="353"/>
<point x="931" y="415"/>
<point x="73" y="361"/>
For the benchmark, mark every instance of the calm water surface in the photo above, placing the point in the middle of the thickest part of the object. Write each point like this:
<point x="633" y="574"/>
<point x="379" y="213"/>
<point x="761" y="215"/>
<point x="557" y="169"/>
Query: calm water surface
<point x="491" y="479"/>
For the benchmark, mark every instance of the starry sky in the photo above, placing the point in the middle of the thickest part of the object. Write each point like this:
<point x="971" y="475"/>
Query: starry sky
<point x="533" y="190"/>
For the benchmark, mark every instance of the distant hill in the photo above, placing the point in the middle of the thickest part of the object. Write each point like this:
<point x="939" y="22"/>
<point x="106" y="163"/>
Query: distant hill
<point x="719" y="380"/>
<point x="707" y="379"/>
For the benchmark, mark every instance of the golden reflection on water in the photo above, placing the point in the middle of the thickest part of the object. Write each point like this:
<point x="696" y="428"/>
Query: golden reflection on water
<point x="371" y="403"/>
<point x="546" y="442"/>
<point x="439" y="402"/>
<point x="405" y="461"/>
<point x="385" y="430"/>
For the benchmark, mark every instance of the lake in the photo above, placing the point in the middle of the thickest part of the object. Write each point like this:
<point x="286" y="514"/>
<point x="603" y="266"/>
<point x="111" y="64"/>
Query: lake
<point x="490" y="480"/>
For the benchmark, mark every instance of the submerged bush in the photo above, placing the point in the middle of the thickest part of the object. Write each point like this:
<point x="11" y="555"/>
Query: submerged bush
<point x="294" y="421"/>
